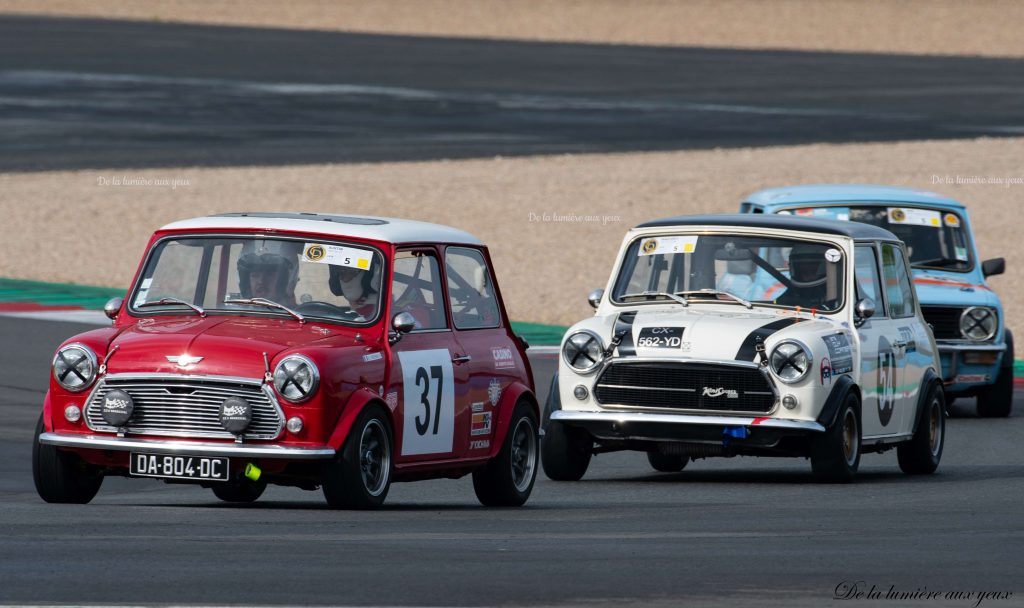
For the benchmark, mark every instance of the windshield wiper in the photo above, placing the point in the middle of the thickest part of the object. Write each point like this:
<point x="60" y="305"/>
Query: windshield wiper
<point x="716" y="292"/>
<point x="268" y="304"/>
<point x="166" y="301"/>
<point x="671" y="296"/>
<point x="940" y="262"/>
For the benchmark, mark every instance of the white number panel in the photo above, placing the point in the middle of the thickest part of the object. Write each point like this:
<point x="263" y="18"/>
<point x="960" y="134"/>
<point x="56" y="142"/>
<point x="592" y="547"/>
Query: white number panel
<point x="428" y="424"/>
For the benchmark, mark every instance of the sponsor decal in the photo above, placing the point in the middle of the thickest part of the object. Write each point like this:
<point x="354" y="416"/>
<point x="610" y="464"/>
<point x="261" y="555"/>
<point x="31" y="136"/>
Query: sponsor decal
<point x="235" y="410"/>
<point x="337" y="255"/>
<point x="392" y="399"/>
<point x="480" y="444"/>
<point x="915" y="217"/>
<point x="826" y="371"/>
<point x="373" y="356"/>
<point x="478" y="406"/>
<point x="494" y="391"/>
<point x="503" y="357"/>
<point x="660" y="337"/>
<point x="481" y="424"/>
<point x="971" y="378"/>
<point x="886" y="381"/>
<point x="833" y="255"/>
<point x="719" y="391"/>
<point x="668" y="245"/>
<point x="840" y="353"/>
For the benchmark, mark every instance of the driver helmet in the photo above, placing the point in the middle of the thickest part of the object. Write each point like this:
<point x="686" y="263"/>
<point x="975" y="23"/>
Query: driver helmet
<point x="270" y="256"/>
<point x="807" y="266"/>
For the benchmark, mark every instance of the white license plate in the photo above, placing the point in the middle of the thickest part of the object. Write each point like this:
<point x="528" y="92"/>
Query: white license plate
<point x="179" y="467"/>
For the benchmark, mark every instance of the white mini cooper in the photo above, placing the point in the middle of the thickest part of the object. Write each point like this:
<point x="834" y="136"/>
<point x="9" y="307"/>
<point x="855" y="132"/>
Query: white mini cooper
<point x="750" y="335"/>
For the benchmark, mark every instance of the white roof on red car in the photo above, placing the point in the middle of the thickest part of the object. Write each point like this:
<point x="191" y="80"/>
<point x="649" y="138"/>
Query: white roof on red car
<point x="386" y="229"/>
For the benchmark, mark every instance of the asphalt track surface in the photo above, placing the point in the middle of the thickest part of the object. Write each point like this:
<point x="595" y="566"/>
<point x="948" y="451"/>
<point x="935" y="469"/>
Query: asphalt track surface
<point x="726" y="532"/>
<point x="81" y="93"/>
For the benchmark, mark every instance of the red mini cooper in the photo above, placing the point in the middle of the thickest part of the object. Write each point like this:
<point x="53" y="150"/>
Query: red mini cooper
<point x="342" y="352"/>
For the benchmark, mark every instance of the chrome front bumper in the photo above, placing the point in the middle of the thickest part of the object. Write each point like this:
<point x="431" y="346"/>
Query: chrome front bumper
<point x="640" y="417"/>
<point x="966" y="347"/>
<point x="192" y="448"/>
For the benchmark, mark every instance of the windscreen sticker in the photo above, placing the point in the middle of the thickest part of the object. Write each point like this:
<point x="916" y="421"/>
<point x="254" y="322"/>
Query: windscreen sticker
<point x="915" y="217"/>
<point x="961" y="253"/>
<point x="840" y="354"/>
<point x="951" y="220"/>
<point x="668" y="245"/>
<point x="143" y="290"/>
<point x="337" y="255"/>
<point x="828" y="213"/>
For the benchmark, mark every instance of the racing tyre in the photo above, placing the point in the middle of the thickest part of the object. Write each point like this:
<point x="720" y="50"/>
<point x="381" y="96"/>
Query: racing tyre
<point x="239" y="491"/>
<point x="835" y="454"/>
<point x="360" y="476"/>
<point x="996" y="400"/>
<point x="62" y="477"/>
<point x="565" y="452"/>
<point x="666" y="463"/>
<point x="508" y="478"/>
<point x="921" y="455"/>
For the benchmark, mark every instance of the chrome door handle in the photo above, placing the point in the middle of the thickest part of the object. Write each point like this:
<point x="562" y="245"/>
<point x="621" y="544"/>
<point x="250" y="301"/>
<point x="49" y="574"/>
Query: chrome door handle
<point x="461" y="359"/>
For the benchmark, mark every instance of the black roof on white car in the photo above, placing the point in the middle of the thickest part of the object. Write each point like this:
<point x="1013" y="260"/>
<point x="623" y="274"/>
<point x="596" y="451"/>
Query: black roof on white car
<point x="854" y="230"/>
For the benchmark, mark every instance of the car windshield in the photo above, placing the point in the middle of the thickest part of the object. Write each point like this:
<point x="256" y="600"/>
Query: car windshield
<point x="935" y="238"/>
<point x="333" y="280"/>
<point x="720" y="268"/>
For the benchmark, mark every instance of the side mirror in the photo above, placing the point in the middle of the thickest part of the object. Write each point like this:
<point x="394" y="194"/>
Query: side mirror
<point x="112" y="307"/>
<point x="864" y="310"/>
<point x="595" y="297"/>
<point x="993" y="267"/>
<point x="403" y="323"/>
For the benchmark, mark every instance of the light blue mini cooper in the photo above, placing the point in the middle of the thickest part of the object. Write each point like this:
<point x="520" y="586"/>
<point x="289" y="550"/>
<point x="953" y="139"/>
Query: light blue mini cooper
<point x="965" y="314"/>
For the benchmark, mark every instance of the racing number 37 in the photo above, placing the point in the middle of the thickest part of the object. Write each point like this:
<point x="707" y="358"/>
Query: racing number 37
<point x="423" y="379"/>
<point x="428" y="399"/>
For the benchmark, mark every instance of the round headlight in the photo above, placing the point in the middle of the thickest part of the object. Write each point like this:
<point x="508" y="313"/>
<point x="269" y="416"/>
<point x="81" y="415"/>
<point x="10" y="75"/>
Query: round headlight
<point x="790" y="361"/>
<point x="296" y="378"/>
<point x="979" y="323"/>
<point x="583" y="351"/>
<point x="74" y="367"/>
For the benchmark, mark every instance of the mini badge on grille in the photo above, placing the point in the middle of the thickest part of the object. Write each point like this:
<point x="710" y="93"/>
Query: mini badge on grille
<point x="117" y="408"/>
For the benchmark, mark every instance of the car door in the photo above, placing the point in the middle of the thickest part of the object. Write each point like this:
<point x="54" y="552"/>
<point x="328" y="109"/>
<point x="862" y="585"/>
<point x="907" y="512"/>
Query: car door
<point x="877" y="357"/>
<point x="490" y="356"/>
<point x="903" y="312"/>
<point x="431" y="387"/>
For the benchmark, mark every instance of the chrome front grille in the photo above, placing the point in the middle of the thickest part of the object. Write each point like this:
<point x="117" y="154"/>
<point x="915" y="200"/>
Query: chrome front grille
<point x="186" y="406"/>
<point x="685" y="386"/>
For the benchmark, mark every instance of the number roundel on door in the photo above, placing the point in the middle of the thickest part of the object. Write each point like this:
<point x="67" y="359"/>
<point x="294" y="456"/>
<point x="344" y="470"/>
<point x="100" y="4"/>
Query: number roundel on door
<point x="428" y="389"/>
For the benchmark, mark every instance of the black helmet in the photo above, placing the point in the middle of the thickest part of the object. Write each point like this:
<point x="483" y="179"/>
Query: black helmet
<point x="266" y="261"/>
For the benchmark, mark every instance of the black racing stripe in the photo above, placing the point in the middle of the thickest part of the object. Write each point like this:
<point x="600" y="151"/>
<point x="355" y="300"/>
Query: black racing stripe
<point x="748" y="350"/>
<point x="624" y="328"/>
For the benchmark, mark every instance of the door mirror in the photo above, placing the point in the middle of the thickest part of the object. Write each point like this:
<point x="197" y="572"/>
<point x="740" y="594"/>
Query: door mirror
<point x="864" y="310"/>
<point x="595" y="297"/>
<point x="403" y="323"/>
<point x="112" y="307"/>
<point x="993" y="267"/>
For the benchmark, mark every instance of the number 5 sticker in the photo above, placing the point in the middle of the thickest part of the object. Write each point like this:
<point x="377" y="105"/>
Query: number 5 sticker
<point x="428" y="424"/>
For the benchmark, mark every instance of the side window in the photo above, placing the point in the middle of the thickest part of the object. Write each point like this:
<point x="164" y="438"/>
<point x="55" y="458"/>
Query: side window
<point x="416" y="289"/>
<point x="868" y="285"/>
<point x="470" y="292"/>
<point x="898" y="289"/>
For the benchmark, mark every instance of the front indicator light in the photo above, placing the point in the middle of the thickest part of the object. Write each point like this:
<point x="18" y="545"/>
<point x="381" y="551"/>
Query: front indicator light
<point x="72" y="413"/>
<point x="294" y="424"/>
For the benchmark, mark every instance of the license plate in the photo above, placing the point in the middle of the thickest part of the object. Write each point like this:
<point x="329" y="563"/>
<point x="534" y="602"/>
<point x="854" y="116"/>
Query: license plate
<point x="660" y="337"/>
<point x="179" y="467"/>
